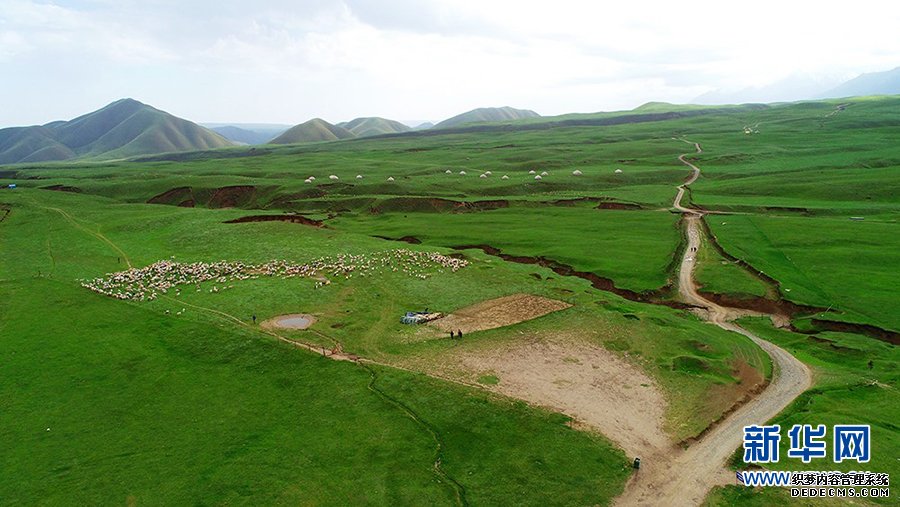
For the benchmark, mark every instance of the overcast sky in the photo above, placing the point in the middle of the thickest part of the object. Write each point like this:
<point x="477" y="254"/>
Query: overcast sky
<point x="288" y="61"/>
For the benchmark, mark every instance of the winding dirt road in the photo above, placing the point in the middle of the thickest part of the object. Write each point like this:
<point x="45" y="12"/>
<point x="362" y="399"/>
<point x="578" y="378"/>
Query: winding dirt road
<point x="684" y="477"/>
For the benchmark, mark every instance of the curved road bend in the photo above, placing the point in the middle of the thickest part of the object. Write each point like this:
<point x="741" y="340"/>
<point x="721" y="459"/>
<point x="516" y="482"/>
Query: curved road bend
<point x="685" y="477"/>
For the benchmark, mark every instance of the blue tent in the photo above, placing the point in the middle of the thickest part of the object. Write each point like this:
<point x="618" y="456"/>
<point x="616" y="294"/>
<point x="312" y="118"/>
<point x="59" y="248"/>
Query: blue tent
<point x="12" y="185"/>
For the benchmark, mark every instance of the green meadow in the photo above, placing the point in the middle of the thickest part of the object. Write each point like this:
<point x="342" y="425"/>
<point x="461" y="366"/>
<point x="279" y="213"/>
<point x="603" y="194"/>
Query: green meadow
<point x="183" y="399"/>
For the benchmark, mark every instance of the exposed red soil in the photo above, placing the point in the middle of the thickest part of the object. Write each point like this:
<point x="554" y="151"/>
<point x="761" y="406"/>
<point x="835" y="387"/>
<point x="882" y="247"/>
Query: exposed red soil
<point x="62" y="188"/>
<point x="436" y="205"/>
<point x="177" y="195"/>
<point x="233" y="196"/>
<point x="750" y="383"/>
<point x="759" y="304"/>
<point x="619" y="206"/>
<point x="789" y="209"/>
<point x="412" y="240"/>
<point x="295" y="219"/>
<point x="821" y="325"/>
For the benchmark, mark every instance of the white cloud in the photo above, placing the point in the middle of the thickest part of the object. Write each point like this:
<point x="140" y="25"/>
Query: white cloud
<point x="287" y="61"/>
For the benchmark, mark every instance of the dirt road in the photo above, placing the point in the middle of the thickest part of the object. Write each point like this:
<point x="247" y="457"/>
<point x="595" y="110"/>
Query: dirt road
<point x="685" y="477"/>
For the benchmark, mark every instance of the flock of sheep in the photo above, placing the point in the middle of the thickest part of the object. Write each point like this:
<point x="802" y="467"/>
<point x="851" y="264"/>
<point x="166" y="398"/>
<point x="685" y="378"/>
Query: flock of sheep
<point x="147" y="283"/>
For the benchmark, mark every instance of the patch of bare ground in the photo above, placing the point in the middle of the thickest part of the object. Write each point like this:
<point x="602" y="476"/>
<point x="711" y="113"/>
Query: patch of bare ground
<point x="296" y="219"/>
<point x="565" y="373"/>
<point x="292" y="321"/>
<point x="499" y="312"/>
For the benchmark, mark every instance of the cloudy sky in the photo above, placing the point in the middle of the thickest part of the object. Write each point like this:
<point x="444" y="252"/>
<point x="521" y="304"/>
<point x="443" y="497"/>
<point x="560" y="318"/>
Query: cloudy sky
<point x="288" y="61"/>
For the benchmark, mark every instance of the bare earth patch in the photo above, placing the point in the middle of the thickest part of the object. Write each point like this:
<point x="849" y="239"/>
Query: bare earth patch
<point x="499" y="312"/>
<point x="582" y="380"/>
<point x="292" y="321"/>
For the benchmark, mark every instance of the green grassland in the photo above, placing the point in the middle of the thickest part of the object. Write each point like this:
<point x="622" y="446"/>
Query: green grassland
<point x="829" y="262"/>
<point x="109" y="400"/>
<point x="587" y="239"/>
<point x="201" y="408"/>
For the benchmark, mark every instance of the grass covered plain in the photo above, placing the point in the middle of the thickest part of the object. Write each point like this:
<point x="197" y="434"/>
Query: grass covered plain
<point x="202" y="409"/>
<point x="129" y="403"/>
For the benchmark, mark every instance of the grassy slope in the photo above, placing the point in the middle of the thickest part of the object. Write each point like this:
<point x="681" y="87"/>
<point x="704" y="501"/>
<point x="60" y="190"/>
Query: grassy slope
<point x="590" y="240"/>
<point x="195" y="410"/>
<point x="826" y="262"/>
<point x="315" y="130"/>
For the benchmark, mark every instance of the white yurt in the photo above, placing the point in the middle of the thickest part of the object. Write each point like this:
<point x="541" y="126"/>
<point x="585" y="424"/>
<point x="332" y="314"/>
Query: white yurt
<point x="332" y="177"/>
<point x="538" y="177"/>
<point x="576" y="172"/>
<point x="390" y="178"/>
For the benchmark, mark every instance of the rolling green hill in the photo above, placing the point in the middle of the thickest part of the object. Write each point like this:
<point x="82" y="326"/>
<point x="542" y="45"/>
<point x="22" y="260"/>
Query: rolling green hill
<point x="487" y="114"/>
<point x="314" y="130"/>
<point x="124" y="128"/>
<point x="373" y="126"/>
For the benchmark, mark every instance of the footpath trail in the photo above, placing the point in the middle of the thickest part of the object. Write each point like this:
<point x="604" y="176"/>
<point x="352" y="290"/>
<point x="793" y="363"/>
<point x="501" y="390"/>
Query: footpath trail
<point x="685" y="477"/>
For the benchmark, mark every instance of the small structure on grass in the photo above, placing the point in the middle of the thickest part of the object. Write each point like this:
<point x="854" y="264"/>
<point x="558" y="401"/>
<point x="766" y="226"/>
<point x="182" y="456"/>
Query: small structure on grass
<point x="419" y="317"/>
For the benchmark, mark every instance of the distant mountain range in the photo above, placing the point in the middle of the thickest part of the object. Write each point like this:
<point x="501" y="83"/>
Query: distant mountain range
<point x="248" y="133"/>
<point x="317" y="129"/>
<point x="873" y="83"/>
<point x="124" y="128"/>
<point x="487" y="114"/>
<point x="801" y="87"/>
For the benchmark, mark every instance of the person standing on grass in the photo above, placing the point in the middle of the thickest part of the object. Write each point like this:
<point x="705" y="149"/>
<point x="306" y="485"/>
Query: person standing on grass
<point x="451" y="334"/>
<point x="254" y="318"/>
<point x="459" y="334"/>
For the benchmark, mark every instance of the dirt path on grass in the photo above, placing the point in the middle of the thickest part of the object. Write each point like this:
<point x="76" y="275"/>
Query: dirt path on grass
<point x="684" y="477"/>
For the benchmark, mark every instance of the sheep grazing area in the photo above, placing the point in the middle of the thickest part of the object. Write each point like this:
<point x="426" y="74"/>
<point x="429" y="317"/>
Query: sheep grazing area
<point x="143" y="362"/>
